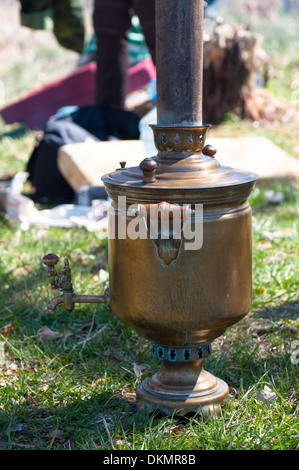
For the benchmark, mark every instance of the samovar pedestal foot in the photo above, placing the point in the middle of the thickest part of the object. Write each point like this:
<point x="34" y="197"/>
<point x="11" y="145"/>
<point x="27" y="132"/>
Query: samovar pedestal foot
<point x="182" y="387"/>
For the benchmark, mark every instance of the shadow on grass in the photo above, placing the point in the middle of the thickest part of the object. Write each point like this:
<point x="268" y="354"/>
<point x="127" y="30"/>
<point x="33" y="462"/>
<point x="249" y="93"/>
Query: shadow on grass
<point x="285" y="310"/>
<point x="15" y="132"/>
<point x="259" y="348"/>
<point x="96" y="422"/>
<point x="109" y="418"/>
<point x="20" y="290"/>
<point x="242" y="363"/>
<point x="263" y="199"/>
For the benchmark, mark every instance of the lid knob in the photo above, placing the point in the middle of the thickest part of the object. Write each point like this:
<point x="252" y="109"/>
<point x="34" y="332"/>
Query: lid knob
<point x="148" y="167"/>
<point x="209" y="150"/>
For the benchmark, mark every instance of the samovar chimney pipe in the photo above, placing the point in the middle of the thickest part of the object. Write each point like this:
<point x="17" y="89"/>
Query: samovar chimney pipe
<point x="179" y="51"/>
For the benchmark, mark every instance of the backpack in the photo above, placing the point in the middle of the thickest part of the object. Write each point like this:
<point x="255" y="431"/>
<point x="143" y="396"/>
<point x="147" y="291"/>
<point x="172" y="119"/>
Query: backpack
<point x="96" y="122"/>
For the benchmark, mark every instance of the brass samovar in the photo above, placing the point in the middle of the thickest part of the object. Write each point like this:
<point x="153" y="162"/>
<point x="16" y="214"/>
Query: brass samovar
<point x="178" y="295"/>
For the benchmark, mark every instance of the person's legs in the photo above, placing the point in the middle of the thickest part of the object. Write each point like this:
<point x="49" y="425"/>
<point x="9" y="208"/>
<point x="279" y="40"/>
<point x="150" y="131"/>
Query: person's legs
<point x="112" y="21"/>
<point x="145" y="10"/>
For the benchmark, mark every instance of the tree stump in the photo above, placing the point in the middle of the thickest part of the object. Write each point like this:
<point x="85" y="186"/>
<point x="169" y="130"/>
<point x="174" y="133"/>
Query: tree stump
<point x="234" y="63"/>
<point x="235" y="76"/>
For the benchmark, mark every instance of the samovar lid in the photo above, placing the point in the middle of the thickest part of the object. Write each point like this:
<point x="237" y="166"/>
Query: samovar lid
<point x="184" y="170"/>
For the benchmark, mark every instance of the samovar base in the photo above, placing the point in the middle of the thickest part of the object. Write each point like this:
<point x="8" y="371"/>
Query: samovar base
<point x="181" y="388"/>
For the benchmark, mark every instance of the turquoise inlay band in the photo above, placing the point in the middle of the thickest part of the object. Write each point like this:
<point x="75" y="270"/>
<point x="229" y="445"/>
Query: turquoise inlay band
<point x="187" y="354"/>
<point x="200" y="352"/>
<point x="172" y="355"/>
<point x="160" y="352"/>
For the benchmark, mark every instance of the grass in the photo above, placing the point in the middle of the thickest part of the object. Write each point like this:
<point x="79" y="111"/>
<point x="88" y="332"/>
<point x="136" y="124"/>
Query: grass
<point x="29" y="58"/>
<point x="67" y="382"/>
<point x="64" y="390"/>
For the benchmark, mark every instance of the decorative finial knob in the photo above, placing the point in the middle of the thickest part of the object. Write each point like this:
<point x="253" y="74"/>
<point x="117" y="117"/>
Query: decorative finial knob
<point x="148" y="167"/>
<point x="123" y="164"/>
<point x="209" y="150"/>
<point x="50" y="259"/>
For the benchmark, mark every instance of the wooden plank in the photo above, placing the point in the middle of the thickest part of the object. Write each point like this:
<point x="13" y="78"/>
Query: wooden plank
<point x="85" y="163"/>
<point x="256" y="154"/>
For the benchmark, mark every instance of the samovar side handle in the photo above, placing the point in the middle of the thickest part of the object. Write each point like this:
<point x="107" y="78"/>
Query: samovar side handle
<point x="172" y="218"/>
<point x="164" y="209"/>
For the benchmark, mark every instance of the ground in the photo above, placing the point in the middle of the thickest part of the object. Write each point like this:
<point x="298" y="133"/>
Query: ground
<point x="68" y="381"/>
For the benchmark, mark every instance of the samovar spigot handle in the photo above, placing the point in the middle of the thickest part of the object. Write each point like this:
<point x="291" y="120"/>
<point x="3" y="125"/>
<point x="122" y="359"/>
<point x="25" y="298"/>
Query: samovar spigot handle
<point x="51" y="260"/>
<point x="62" y="280"/>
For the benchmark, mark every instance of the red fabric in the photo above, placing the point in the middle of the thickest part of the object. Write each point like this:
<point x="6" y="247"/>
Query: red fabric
<point x="78" y="88"/>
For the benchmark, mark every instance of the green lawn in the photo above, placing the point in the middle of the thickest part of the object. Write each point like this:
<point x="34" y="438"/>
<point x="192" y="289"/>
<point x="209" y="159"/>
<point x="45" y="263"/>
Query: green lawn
<point x="59" y="387"/>
<point x="68" y="381"/>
